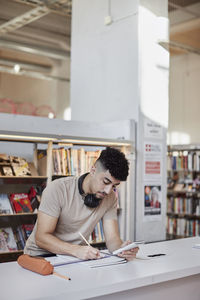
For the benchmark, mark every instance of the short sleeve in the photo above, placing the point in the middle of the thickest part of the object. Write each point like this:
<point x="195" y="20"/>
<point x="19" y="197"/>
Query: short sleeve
<point x="111" y="212"/>
<point x="52" y="199"/>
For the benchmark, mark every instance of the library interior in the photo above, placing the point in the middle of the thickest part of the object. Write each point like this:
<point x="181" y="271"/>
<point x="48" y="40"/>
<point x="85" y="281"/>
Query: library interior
<point x="99" y="149"/>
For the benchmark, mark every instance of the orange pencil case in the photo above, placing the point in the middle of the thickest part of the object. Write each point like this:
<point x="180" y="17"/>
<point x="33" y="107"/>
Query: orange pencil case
<point x="35" y="264"/>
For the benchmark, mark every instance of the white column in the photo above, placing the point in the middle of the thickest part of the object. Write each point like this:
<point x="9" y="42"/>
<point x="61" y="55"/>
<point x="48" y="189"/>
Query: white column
<point x="119" y="71"/>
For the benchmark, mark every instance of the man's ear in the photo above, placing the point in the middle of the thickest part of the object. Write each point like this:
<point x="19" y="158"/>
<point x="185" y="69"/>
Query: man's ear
<point x="93" y="170"/>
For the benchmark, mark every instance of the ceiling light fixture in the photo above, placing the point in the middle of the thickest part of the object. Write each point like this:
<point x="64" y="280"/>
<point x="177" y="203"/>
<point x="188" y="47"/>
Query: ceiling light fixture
<point x="32" y="74"/>
<point x="32" y="49"/>
<point x="17" y="68"/>
<point x="25" y="65"/>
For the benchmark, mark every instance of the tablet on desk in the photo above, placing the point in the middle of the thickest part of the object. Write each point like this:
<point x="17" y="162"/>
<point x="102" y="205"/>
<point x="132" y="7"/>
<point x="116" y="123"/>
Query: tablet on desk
<point x="127" y="247"/>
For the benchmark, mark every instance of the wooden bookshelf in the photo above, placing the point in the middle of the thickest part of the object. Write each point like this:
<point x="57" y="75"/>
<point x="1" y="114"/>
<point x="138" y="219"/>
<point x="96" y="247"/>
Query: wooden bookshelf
<point x="174" y="236"/>
<point x="99" y="245"/>
<point x="187" y="216"/>
<point x="171" y="192"/>
<point x="10" y="256"/>
<point x="17" y="219"/>
<point x="54" y="177"/>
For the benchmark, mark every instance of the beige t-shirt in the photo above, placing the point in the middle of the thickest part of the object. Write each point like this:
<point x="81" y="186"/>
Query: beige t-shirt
<point x="61" y="199"/>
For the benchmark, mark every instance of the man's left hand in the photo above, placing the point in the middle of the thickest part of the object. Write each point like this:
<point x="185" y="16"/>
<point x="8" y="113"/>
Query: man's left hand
<point x="128" y="254"/>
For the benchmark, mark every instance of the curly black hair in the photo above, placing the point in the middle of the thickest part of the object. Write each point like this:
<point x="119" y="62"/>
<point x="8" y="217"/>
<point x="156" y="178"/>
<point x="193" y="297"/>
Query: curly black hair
<point x="115" y="162"/>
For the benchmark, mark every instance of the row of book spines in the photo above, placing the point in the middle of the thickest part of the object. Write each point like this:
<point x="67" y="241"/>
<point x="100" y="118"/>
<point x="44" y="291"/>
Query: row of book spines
<point x="183" y="205"/>
<point x="73" y="161"/>
<point x="97" y="235"/>
<point x="189" y="162"/>
<point x="183" y="227"/>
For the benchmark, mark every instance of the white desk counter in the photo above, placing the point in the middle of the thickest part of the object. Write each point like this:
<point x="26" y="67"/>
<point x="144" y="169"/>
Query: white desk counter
<point x="174" y="276"/>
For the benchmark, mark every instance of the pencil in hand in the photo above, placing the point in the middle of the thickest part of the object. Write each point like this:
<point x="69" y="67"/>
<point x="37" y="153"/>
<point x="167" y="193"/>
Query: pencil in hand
<point x="84" y="239"/>
<point x="99" y="256"/>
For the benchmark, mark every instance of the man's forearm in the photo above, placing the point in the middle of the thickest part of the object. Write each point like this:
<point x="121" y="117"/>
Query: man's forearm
<point x="114" y="244"/>
<point x="54" y="245"/>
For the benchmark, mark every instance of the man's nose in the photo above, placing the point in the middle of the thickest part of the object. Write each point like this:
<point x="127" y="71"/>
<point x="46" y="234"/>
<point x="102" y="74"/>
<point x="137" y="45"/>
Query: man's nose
<point x="108" y="189"/>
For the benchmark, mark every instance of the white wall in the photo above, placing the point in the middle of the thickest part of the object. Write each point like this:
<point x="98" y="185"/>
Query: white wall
<point x="104" y="67"/>
<point x="22" y="88"/>
<point x="184" y="106"/>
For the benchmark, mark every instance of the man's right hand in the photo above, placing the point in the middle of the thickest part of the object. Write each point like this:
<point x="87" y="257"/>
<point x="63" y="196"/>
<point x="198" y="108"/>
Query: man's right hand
<point x="86" y="252"/>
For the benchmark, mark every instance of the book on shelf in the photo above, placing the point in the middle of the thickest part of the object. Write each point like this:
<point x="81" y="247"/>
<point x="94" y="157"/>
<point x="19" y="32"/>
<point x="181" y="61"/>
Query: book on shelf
<point x="4" y="158"/>
<point x="81" y="160"/>
<point x="7" y="240"/>
<point x="14" y="166"/>
<point x="7" y="171"/>
<point x="71" y="161"/>
<point x="63" y="161"/>
<point x="21" y="170"/>
<point x="27" y="229"/>
<point x="34" y="196"/>
<point x="101" y="230"/>
<point x="21" y="202"/>
<point x="58" y="158"/>
<point x="21" y="234"/>
<point x="20" y="166"/>
<point x="42" y="162"/>
<point x="69" y="171"/>
<point x="55" y="162"/>
<point x="97" y="235"/>
<point x="5" y="205"/>
<point x="74" y="161"/>
<point x="178" y="187"/>
<point x="19" y="238"/>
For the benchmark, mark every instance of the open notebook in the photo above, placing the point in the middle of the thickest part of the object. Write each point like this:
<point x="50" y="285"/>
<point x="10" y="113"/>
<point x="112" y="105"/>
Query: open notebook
<point x="105" y="260"/>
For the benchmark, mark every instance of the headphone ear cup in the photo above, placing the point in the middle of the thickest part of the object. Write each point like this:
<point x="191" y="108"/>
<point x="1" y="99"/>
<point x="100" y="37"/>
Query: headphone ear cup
<point x="90" y="200"/>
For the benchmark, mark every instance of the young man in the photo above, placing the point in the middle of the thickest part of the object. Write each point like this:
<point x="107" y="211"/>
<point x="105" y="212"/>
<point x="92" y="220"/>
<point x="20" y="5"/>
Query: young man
<point x="71" y="205"/>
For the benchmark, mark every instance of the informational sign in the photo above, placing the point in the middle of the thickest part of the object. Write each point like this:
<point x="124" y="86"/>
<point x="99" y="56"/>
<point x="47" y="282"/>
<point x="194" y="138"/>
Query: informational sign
<point x="152" y="129"/>
<point x="152" y="202"/>
<point x="152" y="161"/>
